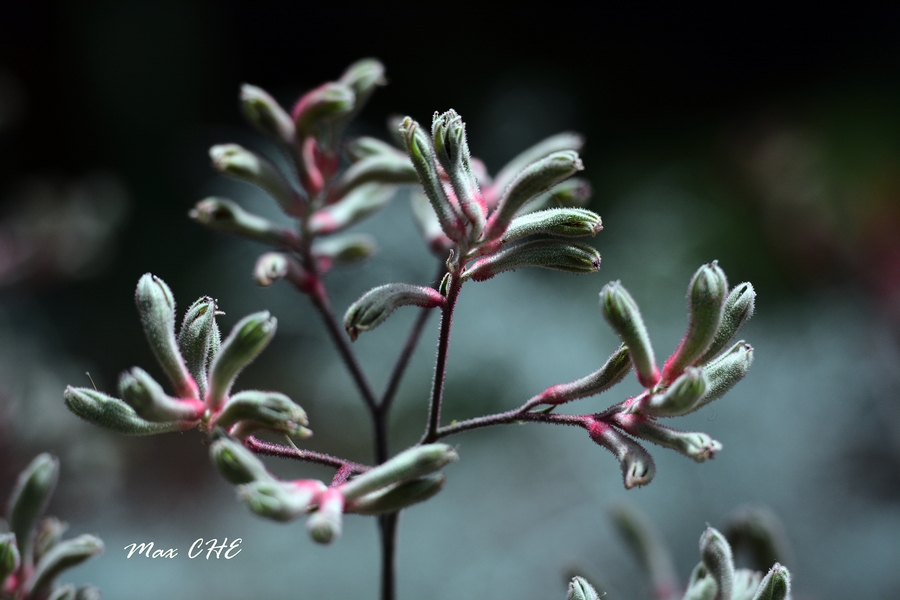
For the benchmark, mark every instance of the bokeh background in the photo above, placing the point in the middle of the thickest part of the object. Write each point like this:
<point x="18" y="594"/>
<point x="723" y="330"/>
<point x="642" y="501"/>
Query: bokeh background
<point x="770" y="142"/>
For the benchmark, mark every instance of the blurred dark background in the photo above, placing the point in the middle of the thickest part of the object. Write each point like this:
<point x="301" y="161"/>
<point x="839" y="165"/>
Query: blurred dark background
<point x="769" y="141"/>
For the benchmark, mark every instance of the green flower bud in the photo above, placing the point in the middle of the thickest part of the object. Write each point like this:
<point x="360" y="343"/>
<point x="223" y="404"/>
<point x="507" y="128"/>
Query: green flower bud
<point x="556" y="143"/>
<point x="199" y="339"/>
<point x="612" y="372"/>
<point x="264" y="410"/>
<point x="776" y="585"/>
<point x="363" y="77"/>
<point x="452" y="151"/>
<point x="325" y="525"/>
<point x="364" y="147"/>
<point x="580" y="589"/>
<point x="281" y="500"/>
<point x="678" y="399"/>
<point x="49" y="533"/>
<point x="62" y="556"/>
<point x="621" y="312"/>
<point x="9" y="556"/>
<point x="29" y="499"/>
<point x="380" y="168"/>
<point x="760" y="533"/>
<point x="637" y="464"/>
<point x="421" y="153"/>
<point x="343" y="249"/>
<point x="746" y="584"/>
<point x="354" y="207"/>
<point x="238" y="162"/>
<point x="246" y="340"/>
<point x="222" y="214"/>
<point x="321" y="106"/>
<point x="150" y="401"/>
<point x="649" y="548"/>
<point x="63" y="592"/>
<point x="549" y="254"/>
<point x="376" y="305"/>
<point x="272" y="266"/>
<point x="701" y="586"/>
<point x="706" y="296"/>
<point x="264" y="113"/>
<point x="236" y="463"/>
<point x="535" y="179"/>
<point x="415" y="462"/>
<point x="396" y="497"/>
<point x="563" y="222"/>
<point x="723" y="373"/>
<point x="111" y="413"/>
<point x="156" y="306"/>
<point x="87" y="592"/>
<point x="695" y="445"/>
<point x="739" y="307"/>
<point x="716" y="556"/>
<point x="573" y="192"/>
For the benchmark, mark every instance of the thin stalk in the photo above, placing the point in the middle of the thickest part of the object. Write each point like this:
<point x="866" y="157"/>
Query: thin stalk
<point x="440" y="367"/>
<point x="387" y="528"/>
<point x="509" y="417"/>
<point x="269" y="449"/>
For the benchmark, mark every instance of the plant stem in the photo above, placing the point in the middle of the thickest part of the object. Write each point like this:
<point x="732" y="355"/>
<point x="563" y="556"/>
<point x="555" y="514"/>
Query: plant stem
<point x="507" y="418"/>
<point x="387" y="528"/>
<point x="269" y="449"/>
<point x="440" y="367"/>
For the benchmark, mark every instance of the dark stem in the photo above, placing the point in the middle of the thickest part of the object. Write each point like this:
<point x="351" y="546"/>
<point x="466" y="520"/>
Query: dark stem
<point x="387" y="527"/>
<point x="269" y="449"/>
<point x="509" y="417"/>
<point x="440" y="367"/>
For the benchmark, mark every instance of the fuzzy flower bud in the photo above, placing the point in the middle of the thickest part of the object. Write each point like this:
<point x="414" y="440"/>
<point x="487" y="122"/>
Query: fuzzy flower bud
<point x="281" y="500"/>
<point x="238" y="162"/>
<point x="326" y="103"/>
<point x="264" y="113"/>
<point x="264" y="410"/>
<point x="562" y="222"/>
<point x="62" y="556"/>
<point x="679" y="398"/>
<point x="376" y="305"/>
<point x="364" y="77"/>
<point x="343" y="249"/>
<point x="637" y="464"/>
<point x="692" y="444"/>
<point x="325" y="525"/>
<point x="570" y="257"/>
<point x="199" y="339"/>
<point x="580" y="589"/>
<point x="9" y="556"/>
<point x="150" y="401"/>
<point x="739" y="307"/>
<point x="621" y="312"/>
<point x="776" y="585"/>
<point x="612" y="372"/>
<point x="573" y="192"/>
<point x="723" y="373"/>
<point x="380" y="168"/>
<point x="222" y="214"/>
<point x="399" y="496"/>
<point x="452" y="151"/>
<point x="716" y="556"/>
<point x="29" y="498"/>
<point x="156" y="307"/>
<point x="555" y="143"/>
<point x="354" y="207"/>
<point x="415" y="462"/>
<point x="236" y="463"/>
<point x="114" y="414"/>
<point x="248" y="338"/>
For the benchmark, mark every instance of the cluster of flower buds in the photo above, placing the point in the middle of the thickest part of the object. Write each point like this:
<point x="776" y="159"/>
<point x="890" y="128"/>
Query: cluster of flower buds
<point x="487" y="226"/>
<point x="322" y="200"/>
<point x="202" y="369"/>
<point x="409" y="478"/>
<point x="702" y="369"/>
<point x="32" y="552"/>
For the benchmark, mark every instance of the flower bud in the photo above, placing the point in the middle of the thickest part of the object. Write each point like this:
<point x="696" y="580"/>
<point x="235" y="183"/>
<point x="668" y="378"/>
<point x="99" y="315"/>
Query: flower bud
<point x="637" y="464"/>
<point x="580" y="589"/>
<point x="222" y="214"/>
<point x="621" y="312"/>
<point x="264" y="410"/>
<point x="452" y="151"/>
<point x="746" y="584"/>
<point x="281" y="500"/>
<point x="399" y="496"/>
<point x="649" y="548"/>
<point x="49" y="532"/>
<point x="716" y="556"/>
<point x="325" y="525"/>
<point x="381" y="168"/>
<point x="343" y="249"/>
<point x="573" y="192"/>
<point x="87" y="592"/>
<point x="238" y="162"/>
<point x="555" y="143"/>
<point x="29" y="499"/>
<point x="365" y="147"/>
<point x="9" y="556"/>
<point x="429" y="225"/>
<point x="150" y="401"/>
<point x="421" y="153"/>
<point x="114" y="414"/>
<point x="723" y="373"/>
<point x="62" y="556"/>
<point x="354" y="207"/>
<point x="549" y="254"/>
<point x="563" y="222"/>
<point x="415" y="462"/>
<point x="156" y="306"/>
<point x="678" y="399"/>
<point x="739" y="307"/>
<point x="376" y="305"/>
<point x="363" y="77"/>
<point x="199" y="339"/>
<point x="776" y="585"/>
<point x="264" y="113"/>
<point x="695" y="445"/>
<point x="534" y="179"/>
<point x="706" y="296"/>
<point x="272" y="266"/>
<point x="63" y="592"/>
<point x="246" y="340"/>
<point x="701" y="585"/>
<point x="759" y="532"/>
<point x="612" y="372"/>
<point x="320" y="106"/>
<point x="236" y="463"/>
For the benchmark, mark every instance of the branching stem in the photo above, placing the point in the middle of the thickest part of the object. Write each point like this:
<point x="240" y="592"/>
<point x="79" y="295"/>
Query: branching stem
<point x="440" y="367"/>
<point x="269" y="449"/>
